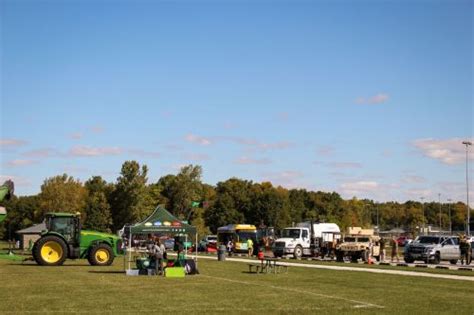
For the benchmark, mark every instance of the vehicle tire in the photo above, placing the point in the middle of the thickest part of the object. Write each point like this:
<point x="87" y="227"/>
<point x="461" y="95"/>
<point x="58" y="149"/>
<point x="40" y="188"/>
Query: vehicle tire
<point x="339" y="256"/>
<point x="354" y="257"/>
<point x="101" y="255"/>
<point x="437" y="259"/>
<point x="365" y="255"/>
<point x="298" y="252"/>
<point x="377" y="258"/>
<point x="50" y="250"/>
<point x="409" y="260"/>
<point x="453" y="261"/>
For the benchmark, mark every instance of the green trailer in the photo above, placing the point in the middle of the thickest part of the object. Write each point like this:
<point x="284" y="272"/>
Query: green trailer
<point x="64" y="238"/>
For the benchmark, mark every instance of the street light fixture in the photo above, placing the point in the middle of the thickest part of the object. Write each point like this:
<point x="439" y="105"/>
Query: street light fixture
<point x="449" y="213"/>
<point x="468" y="231"/>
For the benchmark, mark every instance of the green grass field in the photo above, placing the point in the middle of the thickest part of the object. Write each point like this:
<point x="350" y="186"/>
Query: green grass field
<point x="224" y="287"/>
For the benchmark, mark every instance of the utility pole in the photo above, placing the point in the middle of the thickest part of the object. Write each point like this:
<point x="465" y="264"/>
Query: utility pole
<point x="439" y="201"/>
<point x="449" y="214"/>
<point x="468" y="230"/>
<point x="424" y="219"/>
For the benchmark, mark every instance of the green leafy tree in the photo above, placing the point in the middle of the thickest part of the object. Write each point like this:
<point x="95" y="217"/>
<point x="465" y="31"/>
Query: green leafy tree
<point x="21" y="214"/>
<point x="232" y="204"/>
<point x="183" y="190"/>
<point x="130" y="201"/>
<point x="97" y="211"/>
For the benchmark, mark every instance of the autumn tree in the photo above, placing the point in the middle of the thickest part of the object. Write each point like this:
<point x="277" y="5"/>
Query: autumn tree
<point x="61" y="194"/>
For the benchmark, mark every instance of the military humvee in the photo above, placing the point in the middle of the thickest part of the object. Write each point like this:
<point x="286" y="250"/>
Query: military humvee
<point x="359" y="243"/>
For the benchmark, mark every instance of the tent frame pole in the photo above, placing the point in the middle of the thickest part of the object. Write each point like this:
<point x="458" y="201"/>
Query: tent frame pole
<point x="130" y="249"/>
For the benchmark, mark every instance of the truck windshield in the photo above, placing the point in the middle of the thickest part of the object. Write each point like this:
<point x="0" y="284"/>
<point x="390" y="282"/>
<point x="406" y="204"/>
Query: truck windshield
<point x="291" y="233"/>
<point x="427" y="240"/>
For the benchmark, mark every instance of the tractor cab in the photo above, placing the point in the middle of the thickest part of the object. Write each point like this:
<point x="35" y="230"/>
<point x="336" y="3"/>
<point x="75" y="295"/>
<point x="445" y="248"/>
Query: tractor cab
<point x="65" y="224"/>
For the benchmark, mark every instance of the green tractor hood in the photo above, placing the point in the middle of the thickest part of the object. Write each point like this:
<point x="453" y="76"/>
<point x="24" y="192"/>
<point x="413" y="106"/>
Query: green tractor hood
<point x="95" y="234"/>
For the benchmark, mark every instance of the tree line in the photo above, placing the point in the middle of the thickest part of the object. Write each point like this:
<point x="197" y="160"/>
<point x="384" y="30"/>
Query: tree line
<point x="108" y="206"/>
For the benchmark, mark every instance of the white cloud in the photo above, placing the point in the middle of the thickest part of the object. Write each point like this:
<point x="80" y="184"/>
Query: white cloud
<point x="359" y="188"/>
<point x="376" y="99"/>
<point x="76" y="135"/>
<point x="413" y="179"/>
<point x="96" y="129"/>
<point x="447" y="151"/>
<point x="12" y="142"/>
<point x="18" y="180"/>
<point x="344" y="165"/>
<point x="19" y="162"/>
<point x="197" y="157"/>
<point x="143" y="153"/>
<point x="197" y="139"/>
<point x="40" y="153"/>
<point x="255" y="145"/>
<point x="283" y="116"/>
<point x="289" y="179"/>
<point x="86" y="151"/>
<point x="248" y="160"/>
<point x="325" y="150"/>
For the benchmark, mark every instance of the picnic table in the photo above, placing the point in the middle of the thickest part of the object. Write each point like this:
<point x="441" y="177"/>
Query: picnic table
<point x="268" y="265"/>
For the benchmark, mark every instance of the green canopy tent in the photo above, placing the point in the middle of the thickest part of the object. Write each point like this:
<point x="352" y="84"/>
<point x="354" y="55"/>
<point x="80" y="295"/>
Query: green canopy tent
<point x="161" y="221"/>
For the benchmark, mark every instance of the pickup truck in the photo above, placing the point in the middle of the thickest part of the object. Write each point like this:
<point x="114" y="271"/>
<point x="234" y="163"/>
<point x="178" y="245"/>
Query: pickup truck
<point x="433" y="248"/>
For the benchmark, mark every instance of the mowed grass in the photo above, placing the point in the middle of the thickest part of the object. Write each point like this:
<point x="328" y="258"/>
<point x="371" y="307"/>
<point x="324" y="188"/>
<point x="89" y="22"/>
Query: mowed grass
<point x="224" y="287"/>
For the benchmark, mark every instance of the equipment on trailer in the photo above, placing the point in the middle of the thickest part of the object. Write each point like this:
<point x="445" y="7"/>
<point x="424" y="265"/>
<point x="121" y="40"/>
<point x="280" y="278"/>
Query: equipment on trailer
<point x="6" y="192"/>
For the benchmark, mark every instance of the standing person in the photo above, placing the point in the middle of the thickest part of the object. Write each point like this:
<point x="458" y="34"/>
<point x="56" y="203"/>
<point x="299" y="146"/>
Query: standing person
<point x="250" y="246"/>
<point x="382" y="249"/>
<point x="229" y="246"/>
<point x="394" y="245"/>
<point x="156" y="254"/>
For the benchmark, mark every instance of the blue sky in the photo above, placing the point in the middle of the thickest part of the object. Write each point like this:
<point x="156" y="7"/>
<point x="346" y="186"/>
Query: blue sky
<point x="367" y="98"/>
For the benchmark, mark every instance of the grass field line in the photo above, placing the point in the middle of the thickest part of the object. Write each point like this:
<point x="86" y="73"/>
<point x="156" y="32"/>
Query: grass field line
<point x="360" y="304"/>
<point x="372" y="270"/>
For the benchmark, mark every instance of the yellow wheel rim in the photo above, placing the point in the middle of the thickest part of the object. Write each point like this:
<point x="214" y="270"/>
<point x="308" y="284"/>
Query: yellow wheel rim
<point x="51" y="252"/>
<point x="102" y="256"/>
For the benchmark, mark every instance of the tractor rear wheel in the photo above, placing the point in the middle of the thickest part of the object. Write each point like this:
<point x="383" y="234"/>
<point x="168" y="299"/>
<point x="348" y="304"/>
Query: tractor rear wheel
<point x="101" y="255"/>
<point x="50" y="251"/>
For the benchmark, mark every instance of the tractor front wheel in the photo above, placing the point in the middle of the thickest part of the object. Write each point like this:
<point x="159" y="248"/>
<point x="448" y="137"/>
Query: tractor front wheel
<point x="101" y="255"/>
<point x="50" y="251"/>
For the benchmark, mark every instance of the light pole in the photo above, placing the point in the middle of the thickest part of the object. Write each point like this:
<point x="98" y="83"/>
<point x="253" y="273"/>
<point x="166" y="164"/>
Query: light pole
<point x="468" y="231"/>
<point x="378" y="226"/>
<point x="424" y="219"/>
<point x="449" y="214"/>
<point x="439" y="201"/>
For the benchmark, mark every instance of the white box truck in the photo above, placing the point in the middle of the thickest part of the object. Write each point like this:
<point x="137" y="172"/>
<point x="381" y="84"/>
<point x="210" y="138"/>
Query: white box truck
<point x="305" y="239"/>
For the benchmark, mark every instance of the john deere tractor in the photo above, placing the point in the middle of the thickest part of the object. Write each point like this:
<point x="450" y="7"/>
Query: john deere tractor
<point x="63" y="238"/>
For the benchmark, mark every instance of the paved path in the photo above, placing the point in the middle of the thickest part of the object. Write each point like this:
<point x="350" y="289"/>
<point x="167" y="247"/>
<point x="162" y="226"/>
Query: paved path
<point x="359" y="269"/>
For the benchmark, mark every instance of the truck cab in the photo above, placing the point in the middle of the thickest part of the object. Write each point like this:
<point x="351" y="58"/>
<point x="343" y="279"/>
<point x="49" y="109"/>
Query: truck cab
<point x="306" y="239"/>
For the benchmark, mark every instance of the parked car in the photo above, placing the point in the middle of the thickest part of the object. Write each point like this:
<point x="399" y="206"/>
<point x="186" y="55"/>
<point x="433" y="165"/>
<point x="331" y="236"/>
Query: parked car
<point x="169" y="244"/>
<point x="432" y="248"/>
<point x="208" y="241"/>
